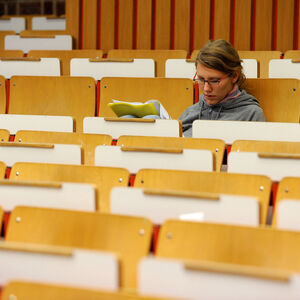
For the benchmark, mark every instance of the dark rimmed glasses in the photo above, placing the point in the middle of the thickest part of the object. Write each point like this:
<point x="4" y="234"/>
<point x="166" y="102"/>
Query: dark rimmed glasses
<point x="212" y="82"/>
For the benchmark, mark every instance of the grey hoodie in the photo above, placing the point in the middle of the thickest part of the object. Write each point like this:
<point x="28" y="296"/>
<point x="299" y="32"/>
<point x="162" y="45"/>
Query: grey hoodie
<point x="242" y="108"/>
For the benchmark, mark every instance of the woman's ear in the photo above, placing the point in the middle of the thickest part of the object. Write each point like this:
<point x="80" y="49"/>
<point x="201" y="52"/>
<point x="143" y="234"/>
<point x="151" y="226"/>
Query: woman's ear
<point x="236" y="76"/>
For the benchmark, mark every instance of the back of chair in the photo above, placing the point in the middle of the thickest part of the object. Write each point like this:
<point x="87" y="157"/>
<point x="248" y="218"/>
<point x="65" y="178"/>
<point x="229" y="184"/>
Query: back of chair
<point x="2" y="169"/>
<point x="2" y="95"/>
<point x="87" y="141"/>
<point x="293" y="54"/>
<point x="209" y="182"/>
<point x="175" y="94"/>
<point x="217" y="147"/>
<point x="3" y="34"/>
<point x="128" y="237"/>
<point x="65" y="56"/>
<point x="11" y="53"/>
<point x="253" y="246"/>
<point x="263" y="58"/>
<point x="159" y="56"/>
<point x="103" y="178"/>
<point x="272" y="95"/>
<point x="61" y="96"/>
<point x="48" y="23"/>
<point x="16" y="24"/>
<point x="4" y="135"/>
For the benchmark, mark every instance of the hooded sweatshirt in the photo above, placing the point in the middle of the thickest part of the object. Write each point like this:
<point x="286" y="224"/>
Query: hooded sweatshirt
<point x="241" y="107"/>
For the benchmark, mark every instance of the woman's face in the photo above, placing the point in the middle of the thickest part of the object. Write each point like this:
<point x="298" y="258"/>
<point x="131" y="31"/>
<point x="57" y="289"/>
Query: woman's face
<point x="215" y="85"/>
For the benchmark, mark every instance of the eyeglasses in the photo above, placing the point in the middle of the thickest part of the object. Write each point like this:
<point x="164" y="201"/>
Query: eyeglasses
<point x="211" y="82"/>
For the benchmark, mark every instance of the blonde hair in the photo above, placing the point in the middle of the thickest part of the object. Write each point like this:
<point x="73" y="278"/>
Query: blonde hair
<point x="220" y="55"/>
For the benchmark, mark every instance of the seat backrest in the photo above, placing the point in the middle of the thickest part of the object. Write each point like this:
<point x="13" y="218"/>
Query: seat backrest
<point x="72" y="196"/>
<point x="158" y="55"/>
<point x="217" y="147"/>
<point x="12" y="152"/>
<point x="48" y="23"/>
<point x="286" y="208"/>
<point x="103" y="67"/>
<point x="103" y="178"/>
<point x="272" y="95"/>
<point x="230" y="131"/>
<point x="65" y="56"/>
<point x="273" y="159"/>
<point x="36" y="291"/>
<point x="16" y="24"/>
<point x="262" y="58"/>
<point x="2" y="95"/>
<point x="214" y="280"/>
<point x="136" y="158"/>
<point x="2" y="169"/>
<point x="58" y="265"/>
<point x="59" y="96"/>
<point x="87" y="141"/>
<point x="242" y="245"/>
<point x="209" y="182"/>
<point x="293" y="54"/>
<point x="4" y="135"/>
<point x="11" y="53"/>
<point x="128" y="237"/>
<point x="161" y="205"/>
<point x="1" y="216"/>
<point x="25" y="66"/>
<point x="284" y="68"/>
<point x="166" y="90"/>
<point x="132" y="126"/>
<point x="3" y="34"/>
<point x="26" y="43"/>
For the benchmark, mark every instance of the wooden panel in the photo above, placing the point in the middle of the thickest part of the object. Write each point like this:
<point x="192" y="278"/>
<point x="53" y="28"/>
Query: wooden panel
<point x="222" y="20"/>
<point x="72" y="18"/>
<point x="297" y="46"/>
<point x="202" y="23"/>
<point x="285" y="25"/>
<point x="4" y="137"/>
<point x="89" y="24"/>
<point x="2" y="95"/>
<point x="162" y="29"/>
<point x="144" y="24"/>
<point x="125" y="24"/>
<point x="2" y="169"/>
<point x="263" y="25"/>
<point x="242" y="25"/>
<point x="107" y="24"/>
<point x="2" y="37"/>
<point x="182" y="25"/>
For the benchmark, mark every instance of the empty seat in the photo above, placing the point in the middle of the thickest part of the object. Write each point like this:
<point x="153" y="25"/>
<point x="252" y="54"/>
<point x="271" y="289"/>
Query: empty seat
<point x="58" y="96"/>
<point x="102" y="178"/>
<point x="284" y="68"/>
<point x="48" y="23"/>
<point x="158" y="55"/>
<point x="175" y="94"/>
<point x="128" y="237"/>
<point x="217" y="147"/>
<point x="87" y="141"/>
<point x="132" y="126"/>
<point x="16" y="24"/>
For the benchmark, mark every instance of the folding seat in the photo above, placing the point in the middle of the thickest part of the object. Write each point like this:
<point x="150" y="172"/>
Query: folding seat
<point x="215" y="183"/>
<point x="51" y="95"/>
<point x="128" y="237"/>
<point x="175" y="94"/>
<point x="102" y="178"/>
<point x="210" y="280"/>
<point x="16" y="24"/>
<point x="87" y="141"/>
<point x="48" y="23"/>
<point x="65" y="56"/>
<point x="284" y="68"/>
<point x="217" y="147"/>
<point x="158" y="55"/>
<point x="132" y="126"/>
<point x="58" y="265"/>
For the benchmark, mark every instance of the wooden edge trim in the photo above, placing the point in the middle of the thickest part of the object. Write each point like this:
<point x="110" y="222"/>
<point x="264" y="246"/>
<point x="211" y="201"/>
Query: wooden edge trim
<point x="278" y="155"/>
<point x="35" y="248"/>
<point x="20" y="59"/>
<point x="5" y="18"/>
<point x="47" y="184"/>
<point x="249" y="271"/>
<point x="179" y="193"/>
<point x="38" y="36"/>
<point x="32" y="145"/>
<point x="149" y="149"/>
<point x="190" y="60"/>
<point x="110" y="60"/>
<point x="137" y="120"/>
<point x="295" y="60"/>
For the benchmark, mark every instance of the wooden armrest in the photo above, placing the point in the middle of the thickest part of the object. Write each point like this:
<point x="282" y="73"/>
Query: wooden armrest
<point x="149" y="149"/>
<point x="12" y="182"/>
<point x="20" y="58"/>
<point x="137" y="120"/>
<point x="295" y="60"/>
<point x="110" y="59"/>
<point x="251" y="271"/>
<point x="174" y="193"/>
<point x="278" y="155"/>
<point x="33" y="145"/>
<point x="35" y="248"/>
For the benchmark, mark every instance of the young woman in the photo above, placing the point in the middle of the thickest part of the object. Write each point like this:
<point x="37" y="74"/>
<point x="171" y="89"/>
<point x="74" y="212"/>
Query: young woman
<point x="220" y="77"/>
